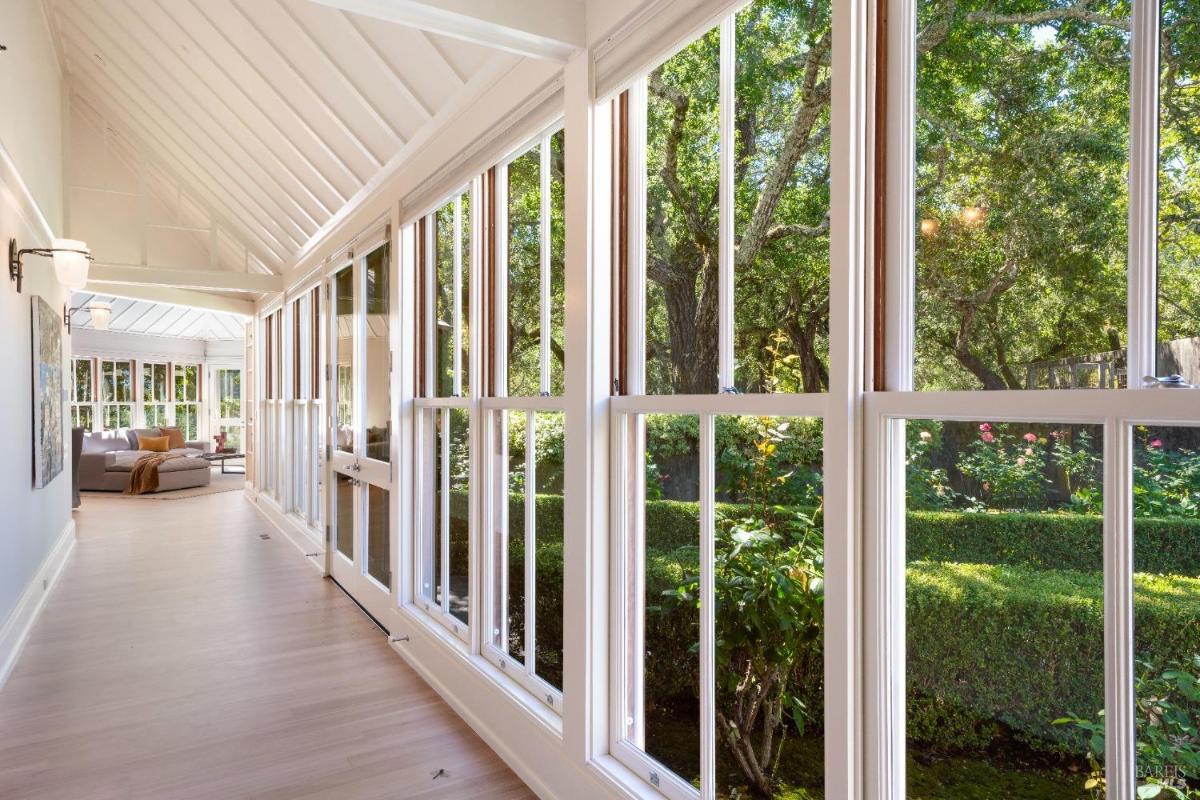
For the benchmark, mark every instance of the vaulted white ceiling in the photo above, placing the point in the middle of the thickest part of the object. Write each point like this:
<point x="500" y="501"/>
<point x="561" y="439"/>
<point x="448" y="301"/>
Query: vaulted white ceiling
<point x="276" y="112"/>
<point x="159" y="319"/>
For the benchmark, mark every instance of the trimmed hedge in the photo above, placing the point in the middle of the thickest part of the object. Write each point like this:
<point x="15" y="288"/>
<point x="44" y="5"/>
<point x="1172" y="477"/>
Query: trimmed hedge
<point x="1005" y="617"/>
<point x="1049" y="541"/>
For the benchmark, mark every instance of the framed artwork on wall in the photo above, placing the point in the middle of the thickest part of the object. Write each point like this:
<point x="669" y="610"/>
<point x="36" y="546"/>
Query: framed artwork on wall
<point x="47" y="393"/>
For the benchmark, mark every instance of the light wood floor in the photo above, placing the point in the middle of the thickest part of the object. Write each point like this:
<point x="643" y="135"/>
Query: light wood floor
<point x="181" y="656"/>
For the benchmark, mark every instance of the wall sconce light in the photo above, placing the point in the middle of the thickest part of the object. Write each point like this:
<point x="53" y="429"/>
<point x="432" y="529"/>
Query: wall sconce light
<point x="101" y="313"/>
<point x="71" y="260"/>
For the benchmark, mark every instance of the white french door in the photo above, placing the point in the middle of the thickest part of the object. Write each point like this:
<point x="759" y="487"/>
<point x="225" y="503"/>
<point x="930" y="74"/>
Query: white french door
<point x="361" y="544"/>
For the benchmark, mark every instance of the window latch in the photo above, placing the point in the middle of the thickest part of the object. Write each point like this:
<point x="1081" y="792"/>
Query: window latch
<point x="730" y="390"/>
<point x="1166" y="382"/>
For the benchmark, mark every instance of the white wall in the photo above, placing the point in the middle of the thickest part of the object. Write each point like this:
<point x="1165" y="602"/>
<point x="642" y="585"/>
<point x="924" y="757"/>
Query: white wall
<point x="31" y="210"/>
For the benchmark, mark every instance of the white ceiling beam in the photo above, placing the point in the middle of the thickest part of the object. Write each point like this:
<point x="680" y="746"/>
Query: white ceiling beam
<point x="178" y="297"/>
<point x="205" y="279"/>
<point x="549" y="29"/>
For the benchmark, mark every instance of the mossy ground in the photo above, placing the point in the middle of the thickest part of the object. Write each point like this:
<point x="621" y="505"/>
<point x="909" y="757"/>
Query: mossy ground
<point x="1000" y="775"/>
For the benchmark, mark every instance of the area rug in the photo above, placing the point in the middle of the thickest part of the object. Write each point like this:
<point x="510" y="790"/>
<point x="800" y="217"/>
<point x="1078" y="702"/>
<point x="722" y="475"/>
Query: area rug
<point x="219" y="483"/>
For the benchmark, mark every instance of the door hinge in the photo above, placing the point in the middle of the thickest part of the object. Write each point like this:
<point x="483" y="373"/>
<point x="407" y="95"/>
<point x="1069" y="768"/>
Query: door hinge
<point x="328" y="452"/>
<point x="329" y="372"/>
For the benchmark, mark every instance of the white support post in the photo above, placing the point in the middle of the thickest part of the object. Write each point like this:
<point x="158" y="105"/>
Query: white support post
<point x="1143" y="194"/>
<point x="726" y="247"/>
<point x="850" y="234"/>
<point x="585" y="541"/>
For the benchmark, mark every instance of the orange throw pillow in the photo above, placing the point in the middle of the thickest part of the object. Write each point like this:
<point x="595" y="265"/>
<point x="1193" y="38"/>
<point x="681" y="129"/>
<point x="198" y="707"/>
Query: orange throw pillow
<point x="174" y="438"/>
<point x="154" y="444"/>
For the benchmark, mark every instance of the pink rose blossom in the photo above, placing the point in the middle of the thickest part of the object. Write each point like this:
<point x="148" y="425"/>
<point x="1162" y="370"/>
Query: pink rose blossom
<point x="926" y="436"/>
<point x="1156" y="442"/>
<point x="987" y="437"/>
<point x="985" y="427"/>
<point x="1031" y="438"/>
<point x="1028" y="451"/>
<point x="1021" y="461"/>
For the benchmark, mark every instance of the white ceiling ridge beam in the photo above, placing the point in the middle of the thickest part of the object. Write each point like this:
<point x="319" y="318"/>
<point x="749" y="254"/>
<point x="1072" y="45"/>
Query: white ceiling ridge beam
<point x="547" y="29"/>
<point x="386" y="68"/>
<point x="362" y="147"/>
<point x="188" y="298"/>
<point x="336" y="69"/>
<point x="159" y="116"/>
<point x="204" y="121"/>
<point x="117" y="109"/>
<point x="183" y="278"/>
<point x="297" y="117"/>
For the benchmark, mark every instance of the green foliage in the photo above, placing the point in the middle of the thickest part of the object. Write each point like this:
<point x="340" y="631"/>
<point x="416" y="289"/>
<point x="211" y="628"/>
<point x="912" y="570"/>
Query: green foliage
<point x="1165" y="482"/>
<point x="1168" y="731"/>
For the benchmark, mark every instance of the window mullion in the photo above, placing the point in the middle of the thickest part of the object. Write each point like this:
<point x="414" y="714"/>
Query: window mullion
<point x="530" y="542"/>
<point x="707" y="612"/>
<point x="1143" y="194"/>
<point x="1120" y="727"/>
<point x="444" y="521"/>
<point x="900" y="166"/>
<point x="456" y="322"/>
<point x="725" y="251"/>
<point x="635" y="336"/>
<point x="544" y="264"/>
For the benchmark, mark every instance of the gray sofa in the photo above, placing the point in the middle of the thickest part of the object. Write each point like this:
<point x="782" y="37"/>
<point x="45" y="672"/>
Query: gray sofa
<point x="108" y="458"/>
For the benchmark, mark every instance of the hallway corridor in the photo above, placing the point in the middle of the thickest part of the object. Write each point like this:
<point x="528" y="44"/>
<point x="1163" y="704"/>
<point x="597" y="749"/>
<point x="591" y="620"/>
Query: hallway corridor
<point x="182" y="655"/>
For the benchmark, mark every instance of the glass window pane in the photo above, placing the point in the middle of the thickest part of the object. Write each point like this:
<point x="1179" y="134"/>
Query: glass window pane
<point x="768" y="578"/>
<point x="558" y="261"/>
<point x="1179" y="192"/>
<point x="464" y="318"/>
<point x="459" y="466"/>
<point x="1021" y="200"/>
<point x="665" y="723"/>
<point x="343" y="287"/>
<point x="548" y="560"/>
<point x="431" y="507"/>
<point x="344" y="515"/>
<point x="524" y="274"/>
<point x="682" y="236"/>
<point x="379" y="550"/>
<point x="509" y="541"/>
<point x="1166" y="602"/>
<point x="781" y="170"/>
<point x="444" y="308"/>
<point x="378" y="355"/>
<point x="1005" y="609"/>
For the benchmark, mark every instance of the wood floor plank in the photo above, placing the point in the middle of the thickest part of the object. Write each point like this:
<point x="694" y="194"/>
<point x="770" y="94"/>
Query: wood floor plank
<point x="183" y="656"/>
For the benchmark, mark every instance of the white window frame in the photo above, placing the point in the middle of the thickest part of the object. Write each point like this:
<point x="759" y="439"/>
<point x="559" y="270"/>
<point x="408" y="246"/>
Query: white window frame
<point x="1118" y="411"/>
<point x="495" y="447"/>
<point x="166" y="403"/>
<point x="102" y="404"/>
<point x="176" y="403"/>
<point x="837" y="409"/>
<point x="92" y="402"/>
<point x="429" y="404"/>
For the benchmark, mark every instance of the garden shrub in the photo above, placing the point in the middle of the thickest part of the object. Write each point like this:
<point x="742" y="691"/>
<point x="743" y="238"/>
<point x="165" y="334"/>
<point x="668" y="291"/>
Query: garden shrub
<point x="1025" y="646"/>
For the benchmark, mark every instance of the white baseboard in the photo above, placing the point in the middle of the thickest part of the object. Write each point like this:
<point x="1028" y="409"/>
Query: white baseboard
<point x="15" y="630"/>
<point x="297" y="534"/>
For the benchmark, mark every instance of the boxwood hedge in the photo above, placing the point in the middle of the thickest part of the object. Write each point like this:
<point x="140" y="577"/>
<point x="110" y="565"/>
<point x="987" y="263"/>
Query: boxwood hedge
<point x="1005" y="617"/>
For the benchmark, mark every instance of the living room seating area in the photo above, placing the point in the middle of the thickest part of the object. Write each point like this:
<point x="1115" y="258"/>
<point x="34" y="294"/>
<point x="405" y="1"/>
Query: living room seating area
<point x="108" y="458"/>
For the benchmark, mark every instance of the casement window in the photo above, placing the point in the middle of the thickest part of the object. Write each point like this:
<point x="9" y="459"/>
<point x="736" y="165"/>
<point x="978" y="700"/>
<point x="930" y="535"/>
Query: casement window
<point x="1038" y="256"/>
<point x="156" y="397"/>
<point x="273" y="475"/>
<point x="116" y="394"/>
<point x="720" y="363"/>
<point x="448" y="251"/>
<point x="186" y="379"/>
<point x="83" y="393"/>
<point x="524" y="422"/>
